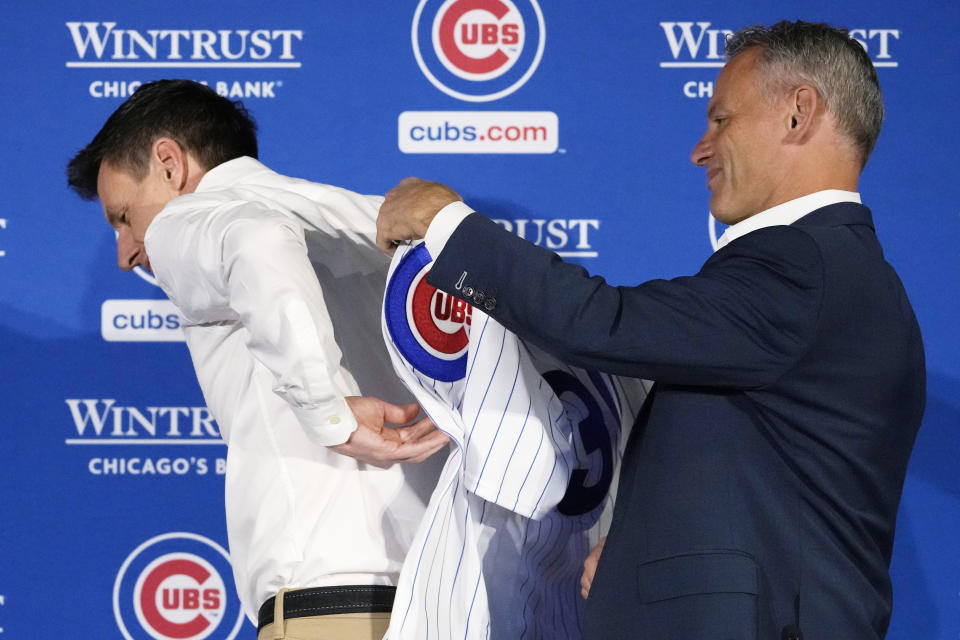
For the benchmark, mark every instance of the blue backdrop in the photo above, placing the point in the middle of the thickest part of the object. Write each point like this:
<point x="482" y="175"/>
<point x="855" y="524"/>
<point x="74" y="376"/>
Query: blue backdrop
<point x="570" y="122"/>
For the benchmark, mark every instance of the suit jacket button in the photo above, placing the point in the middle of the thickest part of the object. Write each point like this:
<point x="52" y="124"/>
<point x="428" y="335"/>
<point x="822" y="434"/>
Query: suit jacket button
<point x="468" y="292"/>
<point x="490" y="304"/>
<point x="791" y="632"/>
<point x="478" y="297"/>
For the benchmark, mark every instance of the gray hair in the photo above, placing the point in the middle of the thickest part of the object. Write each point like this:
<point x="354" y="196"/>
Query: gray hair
<point x="831" y="62"/>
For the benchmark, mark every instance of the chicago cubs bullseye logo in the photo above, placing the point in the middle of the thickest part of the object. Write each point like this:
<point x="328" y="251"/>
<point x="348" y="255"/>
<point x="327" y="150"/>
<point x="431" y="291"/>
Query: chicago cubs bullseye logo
<point x="174" y="587"/>
<point x="429" y="327"/>
<point x="478" y="50"/>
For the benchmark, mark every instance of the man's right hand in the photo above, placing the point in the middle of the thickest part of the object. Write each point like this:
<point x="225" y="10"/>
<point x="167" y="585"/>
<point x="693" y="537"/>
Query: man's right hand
<point x="408" y="209"/>
<point x="376" y="442"/>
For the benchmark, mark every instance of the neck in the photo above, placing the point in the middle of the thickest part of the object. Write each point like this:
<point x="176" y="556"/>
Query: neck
<point x="813" y="172"/>
<point x="194" y="173"/>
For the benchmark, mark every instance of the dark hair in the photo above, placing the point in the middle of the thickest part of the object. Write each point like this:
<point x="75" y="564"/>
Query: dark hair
<point x="825" y="57"/>
<point x="210" y="127"/>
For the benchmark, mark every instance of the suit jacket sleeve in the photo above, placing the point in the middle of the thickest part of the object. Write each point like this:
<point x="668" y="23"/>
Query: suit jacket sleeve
<point x="741" y="322"/>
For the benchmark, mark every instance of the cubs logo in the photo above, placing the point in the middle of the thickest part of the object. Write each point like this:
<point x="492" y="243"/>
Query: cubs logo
<point x="429" y="327"/>
<point x="478" y="50"/>
<point x="174" y="587"/>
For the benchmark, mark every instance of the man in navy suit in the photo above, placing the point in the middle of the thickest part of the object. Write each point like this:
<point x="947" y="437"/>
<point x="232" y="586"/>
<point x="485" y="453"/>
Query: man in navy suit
<point x="759" y="491"/>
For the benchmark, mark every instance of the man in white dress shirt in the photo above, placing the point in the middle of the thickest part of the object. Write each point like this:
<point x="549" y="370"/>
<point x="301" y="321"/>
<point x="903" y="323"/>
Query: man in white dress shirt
<point x="288" y="353"/>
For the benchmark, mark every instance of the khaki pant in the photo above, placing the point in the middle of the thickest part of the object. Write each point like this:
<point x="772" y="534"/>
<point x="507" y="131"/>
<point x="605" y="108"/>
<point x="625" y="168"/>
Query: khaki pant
<point x="341" y="626"/>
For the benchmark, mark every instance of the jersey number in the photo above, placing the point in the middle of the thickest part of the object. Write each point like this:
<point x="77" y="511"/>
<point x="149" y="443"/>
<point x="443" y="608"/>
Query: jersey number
<point x="581" y="498"/>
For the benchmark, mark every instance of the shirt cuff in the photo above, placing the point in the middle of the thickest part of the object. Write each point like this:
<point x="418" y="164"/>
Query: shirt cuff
<point x="443" y="225"/>
<point x="329" y="425"/>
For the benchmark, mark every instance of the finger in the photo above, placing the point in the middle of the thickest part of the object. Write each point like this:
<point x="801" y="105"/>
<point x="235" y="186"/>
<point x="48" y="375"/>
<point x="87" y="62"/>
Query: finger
<point x="386" y="225"/>
<point x="421" y="431"/>
<point x="584" y="586"/>
<point x="399" y="413"/>
<point x="417" y="450"/>
<point x="384" y="242"/>
<point x="437" y="443"/>
<point x="417" y="430"/>
<point x="390" y="436"/>
<point x="421" y="449"/>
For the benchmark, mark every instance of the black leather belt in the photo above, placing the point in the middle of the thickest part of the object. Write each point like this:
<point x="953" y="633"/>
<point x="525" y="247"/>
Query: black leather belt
<point x="326" y="601"/>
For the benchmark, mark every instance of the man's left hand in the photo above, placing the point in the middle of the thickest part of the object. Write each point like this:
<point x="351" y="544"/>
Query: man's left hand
<point x="382" y="445"/>
<point x="590" y="568"/>
<point x="408" y="209"/>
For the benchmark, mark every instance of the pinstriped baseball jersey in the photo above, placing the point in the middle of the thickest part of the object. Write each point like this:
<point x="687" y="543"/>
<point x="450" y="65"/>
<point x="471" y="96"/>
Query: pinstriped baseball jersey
<point x="526" y="489"/>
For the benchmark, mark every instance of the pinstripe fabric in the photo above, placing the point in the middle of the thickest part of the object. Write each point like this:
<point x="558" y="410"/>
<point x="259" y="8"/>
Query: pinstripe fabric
<point x="500" y="550"/>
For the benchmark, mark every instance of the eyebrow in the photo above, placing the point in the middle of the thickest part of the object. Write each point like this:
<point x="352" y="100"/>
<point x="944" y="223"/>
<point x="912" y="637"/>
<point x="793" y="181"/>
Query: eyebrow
<point x="112" y="216"/>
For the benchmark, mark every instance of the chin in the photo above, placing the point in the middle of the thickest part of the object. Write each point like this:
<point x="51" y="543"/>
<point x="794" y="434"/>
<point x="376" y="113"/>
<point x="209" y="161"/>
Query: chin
<point x="722" y="218"/>
<point x="719" y="213"/>
<point x="725" y="215"/>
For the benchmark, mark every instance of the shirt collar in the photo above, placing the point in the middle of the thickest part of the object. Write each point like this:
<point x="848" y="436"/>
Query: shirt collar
<point x="221" y="176"/>
<point x="786" y="213"/>
<point x="229" y="173"/>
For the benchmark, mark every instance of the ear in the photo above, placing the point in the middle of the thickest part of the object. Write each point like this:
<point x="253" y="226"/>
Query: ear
<point x="803" y="114"/>
<point x="169" y="158"/>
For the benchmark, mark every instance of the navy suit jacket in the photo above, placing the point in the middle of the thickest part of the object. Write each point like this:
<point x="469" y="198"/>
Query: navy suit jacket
<point x="760" y="486"/>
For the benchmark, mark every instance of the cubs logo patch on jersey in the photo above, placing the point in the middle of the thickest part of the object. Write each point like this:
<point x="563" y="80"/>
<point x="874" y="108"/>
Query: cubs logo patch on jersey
<point x="429" y="327"/>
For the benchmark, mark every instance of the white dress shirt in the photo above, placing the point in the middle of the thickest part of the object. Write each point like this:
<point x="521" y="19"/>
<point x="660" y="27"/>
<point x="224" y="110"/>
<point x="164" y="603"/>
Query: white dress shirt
<point x="277" y="343"/>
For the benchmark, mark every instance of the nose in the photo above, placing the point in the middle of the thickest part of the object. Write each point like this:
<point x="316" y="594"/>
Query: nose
<point x="702" y="151"/>
<point x="130" y="253"/>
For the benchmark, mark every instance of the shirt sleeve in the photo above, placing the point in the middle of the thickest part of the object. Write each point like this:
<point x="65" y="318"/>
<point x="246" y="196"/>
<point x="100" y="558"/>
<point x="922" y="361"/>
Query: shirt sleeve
<point x="270" y="284"/>
<point x="443" y="226"/>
